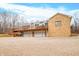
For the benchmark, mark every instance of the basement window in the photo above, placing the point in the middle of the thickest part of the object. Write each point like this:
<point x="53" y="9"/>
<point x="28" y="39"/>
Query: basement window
<point x="58" y="24"/>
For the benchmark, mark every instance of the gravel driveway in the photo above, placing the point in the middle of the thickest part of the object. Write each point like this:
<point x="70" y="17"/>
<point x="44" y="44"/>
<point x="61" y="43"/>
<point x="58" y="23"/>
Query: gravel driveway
<point x="39" y="46"/>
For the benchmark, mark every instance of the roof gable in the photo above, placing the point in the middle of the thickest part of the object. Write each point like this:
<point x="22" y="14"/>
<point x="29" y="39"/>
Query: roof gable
<point x="59" y="14"/>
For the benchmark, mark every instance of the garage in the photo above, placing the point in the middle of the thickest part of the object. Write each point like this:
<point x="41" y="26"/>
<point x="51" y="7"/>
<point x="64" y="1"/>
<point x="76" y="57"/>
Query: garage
<point x="34" y="34"/>
<point x="39" y="34"/>
<point x="27" y="34"/>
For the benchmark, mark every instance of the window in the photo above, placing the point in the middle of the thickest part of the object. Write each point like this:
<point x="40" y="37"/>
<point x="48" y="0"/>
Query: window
<point x="58" y="24"/>
<point x="46" y="24"/>
<point x="36" y="24"/>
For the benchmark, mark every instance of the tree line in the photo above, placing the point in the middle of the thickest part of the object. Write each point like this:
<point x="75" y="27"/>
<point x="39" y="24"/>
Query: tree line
<point x="9" y="21"/>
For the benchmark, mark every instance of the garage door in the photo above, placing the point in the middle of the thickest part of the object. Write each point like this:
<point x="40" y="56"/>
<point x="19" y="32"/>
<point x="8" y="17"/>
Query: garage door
<point x="27" y="34"/>
<point x="39" y="34"/>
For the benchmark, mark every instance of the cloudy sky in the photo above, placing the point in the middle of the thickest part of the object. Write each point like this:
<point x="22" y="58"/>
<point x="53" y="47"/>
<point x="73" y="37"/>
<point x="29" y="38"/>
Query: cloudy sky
<point x="41" y="11"/>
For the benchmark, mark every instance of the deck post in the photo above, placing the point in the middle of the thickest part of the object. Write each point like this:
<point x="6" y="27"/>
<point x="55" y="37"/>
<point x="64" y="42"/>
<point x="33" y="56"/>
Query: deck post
<point x="45" y="33"/>
<point x="32" y="33"/>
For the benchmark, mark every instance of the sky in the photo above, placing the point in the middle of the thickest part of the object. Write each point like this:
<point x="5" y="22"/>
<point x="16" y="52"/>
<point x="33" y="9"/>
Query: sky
<point x="41" y="11"/>
<point x="69" y="6"/>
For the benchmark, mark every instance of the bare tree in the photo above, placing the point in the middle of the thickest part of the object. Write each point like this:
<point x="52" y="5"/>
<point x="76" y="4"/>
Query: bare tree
<point x="76" y="21"/>
<point x="4" y="21"/>
<point x="9" y="21"/>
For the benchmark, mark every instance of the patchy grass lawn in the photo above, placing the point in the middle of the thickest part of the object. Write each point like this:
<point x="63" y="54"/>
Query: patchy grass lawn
<point x="18" y="46"/>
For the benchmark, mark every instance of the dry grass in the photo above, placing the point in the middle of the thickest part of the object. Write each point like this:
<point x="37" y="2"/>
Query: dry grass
<point x="19" y="46"/>
<point x="5" y="35"/>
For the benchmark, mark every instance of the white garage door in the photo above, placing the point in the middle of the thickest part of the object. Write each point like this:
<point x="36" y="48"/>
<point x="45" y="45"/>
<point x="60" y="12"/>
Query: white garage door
<point x="27" y="34"/>
<point x="39" y="34"/>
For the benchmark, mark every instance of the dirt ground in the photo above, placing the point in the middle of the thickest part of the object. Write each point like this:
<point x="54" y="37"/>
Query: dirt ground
<point x="39" y="46"/>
